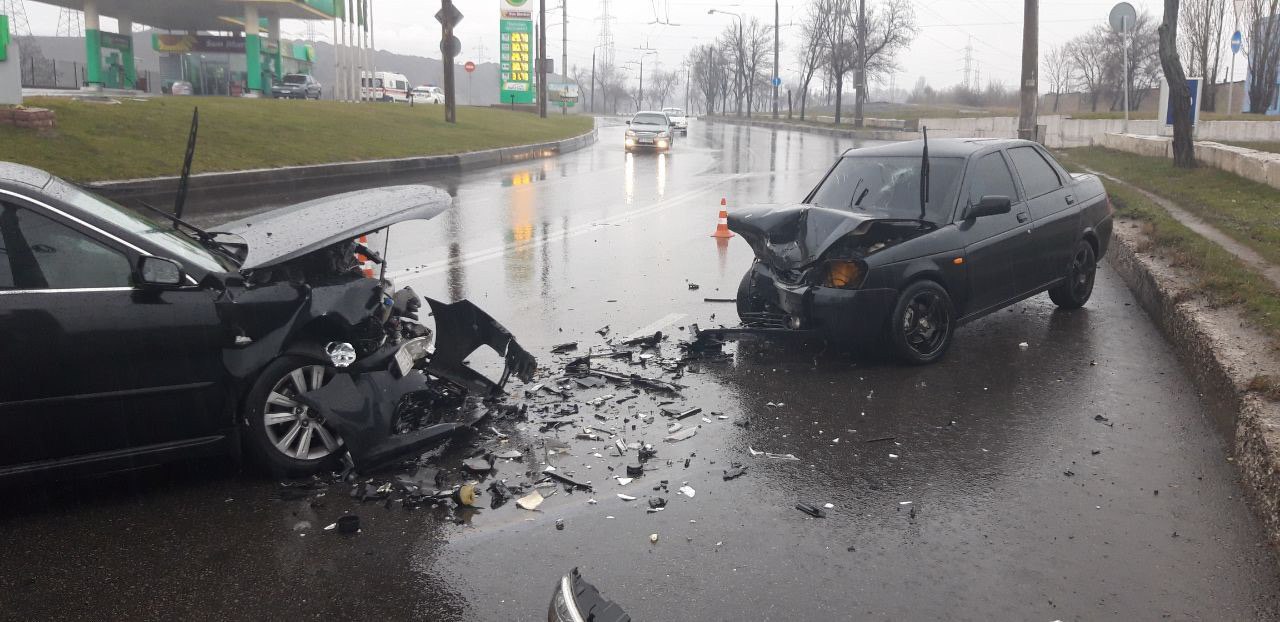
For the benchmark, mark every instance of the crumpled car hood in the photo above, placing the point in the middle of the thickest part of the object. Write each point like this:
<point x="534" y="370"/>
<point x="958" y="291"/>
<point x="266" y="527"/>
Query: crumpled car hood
<point x="287" y="233"/>
<point x="793" y="236"/>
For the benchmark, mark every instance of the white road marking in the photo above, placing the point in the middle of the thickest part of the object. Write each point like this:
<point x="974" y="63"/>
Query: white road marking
<point x="665" y="321"/>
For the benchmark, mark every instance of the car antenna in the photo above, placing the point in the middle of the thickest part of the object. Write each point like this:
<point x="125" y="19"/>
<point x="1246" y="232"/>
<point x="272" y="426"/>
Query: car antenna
<point x="180" y="201"/>
<point x="924" y="175"/>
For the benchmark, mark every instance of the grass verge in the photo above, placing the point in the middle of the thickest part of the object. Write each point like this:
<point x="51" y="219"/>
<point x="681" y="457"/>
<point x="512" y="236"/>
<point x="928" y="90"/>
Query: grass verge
<point x="95" y="142"/>
<point x="1272" y="147"/>
<point x="1243" y="209"/>
<point x="1219" y="275"/>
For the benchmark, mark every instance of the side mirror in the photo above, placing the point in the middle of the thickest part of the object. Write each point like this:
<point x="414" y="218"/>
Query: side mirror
<point x="628" y="121"/>
<point x="989" y="205"/>
<point x="159" y="273"/>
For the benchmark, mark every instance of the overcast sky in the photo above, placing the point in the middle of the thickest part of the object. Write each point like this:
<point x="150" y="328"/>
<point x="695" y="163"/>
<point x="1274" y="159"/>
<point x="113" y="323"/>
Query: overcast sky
<point x="947" y="27"/>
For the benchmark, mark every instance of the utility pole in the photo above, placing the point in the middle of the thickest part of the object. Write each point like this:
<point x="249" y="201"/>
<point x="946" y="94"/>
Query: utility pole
<point x="564" y="47"/>
<point x="449" y="16"/>
<point x="542" y="58"/>
<point x="775" y="61"/>
<point x="593" y="80"/>
<point x="1030" y="63"/>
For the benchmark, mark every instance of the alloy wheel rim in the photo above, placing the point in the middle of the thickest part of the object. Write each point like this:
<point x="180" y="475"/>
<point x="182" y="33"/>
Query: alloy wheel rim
<point x="1081" y="274"/>
<point x="926" y="323"/>
<point x="294" y="429"/>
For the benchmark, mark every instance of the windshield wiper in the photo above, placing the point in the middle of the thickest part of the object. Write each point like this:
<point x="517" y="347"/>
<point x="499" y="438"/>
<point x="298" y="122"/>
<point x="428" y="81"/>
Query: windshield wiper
<point x="207" y="239"/>
<point x="855" y="195"/>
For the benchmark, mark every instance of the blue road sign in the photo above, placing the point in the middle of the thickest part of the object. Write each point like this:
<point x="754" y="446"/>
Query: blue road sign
<point x="777" y="81"/>
<point x="1235" y="42"/>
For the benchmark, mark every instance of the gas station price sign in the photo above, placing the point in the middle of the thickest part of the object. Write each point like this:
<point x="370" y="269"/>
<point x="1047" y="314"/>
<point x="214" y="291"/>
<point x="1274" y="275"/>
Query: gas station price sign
<point x="516" y="45"/>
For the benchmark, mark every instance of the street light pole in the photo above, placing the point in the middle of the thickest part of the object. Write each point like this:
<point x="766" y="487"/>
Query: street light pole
<point x="1030" y="63"/>
<point x="593" y="81"/>
<point x="564" y="49"/>
<point x="542" y="58"/>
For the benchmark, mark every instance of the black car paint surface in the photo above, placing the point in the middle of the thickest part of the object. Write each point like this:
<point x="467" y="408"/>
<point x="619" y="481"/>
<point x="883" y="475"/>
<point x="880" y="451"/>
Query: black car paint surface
<point x="105" y="372"/>
<point x="983" y="263"/>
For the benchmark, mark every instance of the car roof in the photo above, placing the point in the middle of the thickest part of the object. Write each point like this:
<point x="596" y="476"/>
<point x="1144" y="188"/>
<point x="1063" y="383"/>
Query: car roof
<point x="23" y="174"/>
<point x="940" y="147"/>
<point x="648" y="112"/>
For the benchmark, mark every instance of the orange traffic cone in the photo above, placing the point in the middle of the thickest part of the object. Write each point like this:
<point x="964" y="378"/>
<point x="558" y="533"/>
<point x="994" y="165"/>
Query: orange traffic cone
<point x="366" y="266"/>
<point x="722" y="227"/>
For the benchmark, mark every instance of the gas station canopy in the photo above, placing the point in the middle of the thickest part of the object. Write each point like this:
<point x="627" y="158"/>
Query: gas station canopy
<point x="193" y="15"/>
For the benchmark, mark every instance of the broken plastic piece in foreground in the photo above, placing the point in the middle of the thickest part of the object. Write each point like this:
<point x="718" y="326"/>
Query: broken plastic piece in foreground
<point x="530" y="501"/>
<point x="811" y="509"/>
<point x="681" y="435"/>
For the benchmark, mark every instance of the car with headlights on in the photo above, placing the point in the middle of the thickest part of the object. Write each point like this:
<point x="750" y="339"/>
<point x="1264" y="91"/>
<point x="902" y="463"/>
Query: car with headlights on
<point x="131" y="337"/>
<point x="902" y="244"/>
<point x="296" y="86"/>
<point x="649" y="130"/>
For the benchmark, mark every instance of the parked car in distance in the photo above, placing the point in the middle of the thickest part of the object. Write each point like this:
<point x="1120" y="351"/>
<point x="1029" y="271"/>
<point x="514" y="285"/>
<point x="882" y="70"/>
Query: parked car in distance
<point x="649" y="130"/>
<point x="679" y="119"/>
<point x="427" y="95"/>
<point x="878" y="251"/>
<point x="296" y="86"/>
<point x="128" y="339"/>
<point x="384" y="86"/>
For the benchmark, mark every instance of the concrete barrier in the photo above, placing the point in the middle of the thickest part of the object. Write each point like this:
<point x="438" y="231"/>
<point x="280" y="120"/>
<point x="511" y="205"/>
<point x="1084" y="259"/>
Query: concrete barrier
<point x="1260" y="166"/>
<point x="1062" y="131"/>
<point x="843" y="132"/>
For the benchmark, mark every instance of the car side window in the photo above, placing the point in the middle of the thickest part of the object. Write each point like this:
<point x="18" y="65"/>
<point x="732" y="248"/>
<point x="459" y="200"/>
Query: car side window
<point x="37" y="252"/>
<point x="1038" y="176"/>
<point x="991" y="176"/>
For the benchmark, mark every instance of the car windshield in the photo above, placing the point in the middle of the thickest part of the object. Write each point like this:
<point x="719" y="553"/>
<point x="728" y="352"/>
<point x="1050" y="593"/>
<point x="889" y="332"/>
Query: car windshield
<point x="295" y="79"/>
<point x="649" y="119"/>
<point x="181" y="247"/>
<point x="889" y="187"/>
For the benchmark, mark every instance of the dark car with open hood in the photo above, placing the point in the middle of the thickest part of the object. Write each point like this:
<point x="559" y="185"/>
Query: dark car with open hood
<point x="901" y="244"/>
<point x="129" y="338"/>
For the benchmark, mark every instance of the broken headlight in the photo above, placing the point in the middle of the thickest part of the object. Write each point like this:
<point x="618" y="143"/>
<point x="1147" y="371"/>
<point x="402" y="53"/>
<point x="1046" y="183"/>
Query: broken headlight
<point x="563" y="608"/>
<point x="844" y="274"/>
<point x="575" y="600"/>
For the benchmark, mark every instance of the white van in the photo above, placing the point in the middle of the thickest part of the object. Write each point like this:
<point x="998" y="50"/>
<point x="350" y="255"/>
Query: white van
<point x="384" y="86"/>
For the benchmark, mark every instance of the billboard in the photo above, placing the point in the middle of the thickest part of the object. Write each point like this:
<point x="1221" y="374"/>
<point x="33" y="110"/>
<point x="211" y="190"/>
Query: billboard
<point x="515" y="70"/>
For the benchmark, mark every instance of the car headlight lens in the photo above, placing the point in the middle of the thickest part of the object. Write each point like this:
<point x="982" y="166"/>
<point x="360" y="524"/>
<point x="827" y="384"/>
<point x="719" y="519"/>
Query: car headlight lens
<point x="563" y="608"/>
<point x="340" y="353"/>
<point x="845" y="274"/>
<point x="631" y="133"/>
<point x="662" y="134"/>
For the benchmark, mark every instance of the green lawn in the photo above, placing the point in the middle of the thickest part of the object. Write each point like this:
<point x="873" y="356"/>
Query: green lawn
<point x="134" y="139"/>
<point x="1242" y="209"/>
<point x="1273" y="147"/>
<point x="1222" y="277"/>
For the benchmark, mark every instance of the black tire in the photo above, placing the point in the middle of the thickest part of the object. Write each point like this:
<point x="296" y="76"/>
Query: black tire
<point x="1074" y="292"/>
<point x="922" y="323"/>
<point x="747" y="301"/>
<point x="269" y="435"/>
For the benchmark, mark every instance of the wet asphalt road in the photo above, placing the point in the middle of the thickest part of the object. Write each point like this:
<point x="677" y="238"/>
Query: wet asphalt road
<point x="1149" y="525"/>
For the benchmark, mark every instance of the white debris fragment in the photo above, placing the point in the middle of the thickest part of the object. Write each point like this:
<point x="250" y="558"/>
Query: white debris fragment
<point x="722" y="417"/>
<point x="592" y="502"/>
<point x="653" y="537"/>
<point x="1024" y="345"/>
<point x="904" y="503"/>
<point x="687" y="491"/>
<point x="673" y="428"/>
<point x="597" y="455"/>
<point x="681" y="435"/>
<point x="835" y="440"/>
<point x="829" y="506"/>
<point x="530" y="501"/>
<point x="893" y="455"/>
<point x="626" y="497"/>
<point x="706" y="420"/>
<point x="623" y="481"/>
<point x="754" y="452"/>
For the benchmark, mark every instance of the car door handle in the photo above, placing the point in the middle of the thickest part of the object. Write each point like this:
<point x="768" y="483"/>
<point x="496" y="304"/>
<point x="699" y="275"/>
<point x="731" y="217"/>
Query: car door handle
<point x="1022" y="217"/>
<point x="1071" y="199"/>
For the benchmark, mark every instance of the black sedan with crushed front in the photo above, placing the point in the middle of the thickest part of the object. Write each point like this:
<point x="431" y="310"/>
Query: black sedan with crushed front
<point x="902" y="244"/>
<point x="128" y="339"/>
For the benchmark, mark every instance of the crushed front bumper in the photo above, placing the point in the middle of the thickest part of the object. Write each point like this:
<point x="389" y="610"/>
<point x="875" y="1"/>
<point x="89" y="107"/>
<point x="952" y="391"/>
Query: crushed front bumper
<point x="839" y="314"/>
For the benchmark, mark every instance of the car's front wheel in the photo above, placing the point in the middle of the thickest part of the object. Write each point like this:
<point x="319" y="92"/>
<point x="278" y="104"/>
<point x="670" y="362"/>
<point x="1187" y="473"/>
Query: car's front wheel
<point x="922" y="324"/>
<point x="1075" y="291"/>
<point x="287" y="437"/>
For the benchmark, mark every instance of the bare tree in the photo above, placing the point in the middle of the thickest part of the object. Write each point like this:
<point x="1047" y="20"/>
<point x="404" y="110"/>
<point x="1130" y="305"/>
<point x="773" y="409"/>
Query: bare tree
<point x="709" y="71"/>
<point x="1202" y="26"/>
<point x="813" y="31"/>
<point x="757" y="46"/>
<point x="1144" y="61"/>
<point x="885" y="29"/>
<point x="1262" y="48"/>
<point x="732" y="44"/>
<point x="1089" y="60"/>
<point x="1059" y="71"/>
<point x="1179" y="94"/>
<point x="839" y="48"/>
<point x="661" y="83"/>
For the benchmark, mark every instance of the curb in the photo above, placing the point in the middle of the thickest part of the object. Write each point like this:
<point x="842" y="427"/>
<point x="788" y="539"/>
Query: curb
<point x="1220" y="369"/>
<point x="128" y="189"/>
<point x="862" y="134"/>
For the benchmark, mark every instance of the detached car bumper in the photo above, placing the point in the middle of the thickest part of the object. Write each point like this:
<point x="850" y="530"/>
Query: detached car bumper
<point x="841" y="314"/>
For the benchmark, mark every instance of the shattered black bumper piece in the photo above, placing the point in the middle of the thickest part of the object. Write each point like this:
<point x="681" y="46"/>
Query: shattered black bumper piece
<point x="574" y="599"/>
<point x="461" y="328"/>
